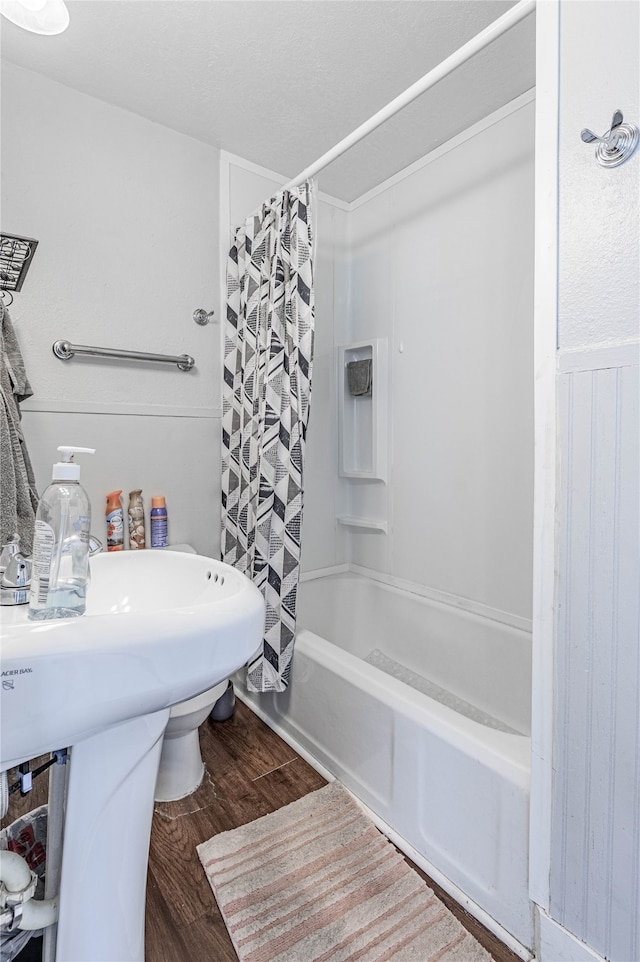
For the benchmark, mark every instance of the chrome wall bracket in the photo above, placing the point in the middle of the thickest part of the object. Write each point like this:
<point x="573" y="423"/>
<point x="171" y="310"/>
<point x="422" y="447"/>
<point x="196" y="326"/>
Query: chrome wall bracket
<point x="616" y="145"/>
<point x="201" y="316"/>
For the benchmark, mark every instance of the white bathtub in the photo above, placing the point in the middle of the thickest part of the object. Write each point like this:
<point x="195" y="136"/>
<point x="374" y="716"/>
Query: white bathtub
<point x="454" y="789"/>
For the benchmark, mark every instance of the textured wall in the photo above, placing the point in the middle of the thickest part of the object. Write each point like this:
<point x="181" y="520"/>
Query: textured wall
<point x="599" y="289"/>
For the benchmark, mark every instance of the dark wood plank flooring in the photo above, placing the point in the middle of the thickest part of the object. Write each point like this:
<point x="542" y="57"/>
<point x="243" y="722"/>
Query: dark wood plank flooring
<point x="250" y="772"/>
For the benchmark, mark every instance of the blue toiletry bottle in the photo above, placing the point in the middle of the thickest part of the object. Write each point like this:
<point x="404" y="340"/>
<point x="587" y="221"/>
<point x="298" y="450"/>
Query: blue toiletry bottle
<point x="158" y="522"/>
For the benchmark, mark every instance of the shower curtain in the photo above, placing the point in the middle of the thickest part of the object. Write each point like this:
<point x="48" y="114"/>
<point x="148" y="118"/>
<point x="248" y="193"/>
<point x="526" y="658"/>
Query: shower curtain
<point x="268" y="353"/>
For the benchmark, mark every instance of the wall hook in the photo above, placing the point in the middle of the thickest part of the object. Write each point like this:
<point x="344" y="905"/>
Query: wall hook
<point x="616" y="145"/>
<point x="200" y="316"/>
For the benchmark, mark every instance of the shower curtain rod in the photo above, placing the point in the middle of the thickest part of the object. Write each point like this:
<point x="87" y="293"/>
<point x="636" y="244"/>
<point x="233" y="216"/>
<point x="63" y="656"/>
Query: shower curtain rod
<point x="464" y="53"/>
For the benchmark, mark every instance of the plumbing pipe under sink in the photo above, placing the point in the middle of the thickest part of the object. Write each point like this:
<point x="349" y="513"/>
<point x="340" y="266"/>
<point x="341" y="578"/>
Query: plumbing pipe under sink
<point x="55" y="839"/>
<point x="17" y="885"/>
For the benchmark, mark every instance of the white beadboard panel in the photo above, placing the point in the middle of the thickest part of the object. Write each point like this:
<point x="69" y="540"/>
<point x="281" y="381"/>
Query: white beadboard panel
<point x="595" y="860"/>
<point x="175" y="456"/>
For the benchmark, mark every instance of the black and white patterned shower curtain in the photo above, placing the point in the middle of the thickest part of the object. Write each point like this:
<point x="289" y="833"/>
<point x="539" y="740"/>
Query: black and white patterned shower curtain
<point x="267" y="388"/>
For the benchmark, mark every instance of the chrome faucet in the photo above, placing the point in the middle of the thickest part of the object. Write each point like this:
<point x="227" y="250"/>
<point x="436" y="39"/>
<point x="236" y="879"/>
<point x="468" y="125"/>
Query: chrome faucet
<point x="15" y="571"/>
<point x="15" y="574"/>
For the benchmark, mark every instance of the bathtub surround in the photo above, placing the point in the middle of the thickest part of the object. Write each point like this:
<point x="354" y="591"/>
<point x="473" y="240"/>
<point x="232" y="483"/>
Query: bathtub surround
<point x="268" y="366"/>
<point x="316" y="881"/>
<point x="459" y="363"/>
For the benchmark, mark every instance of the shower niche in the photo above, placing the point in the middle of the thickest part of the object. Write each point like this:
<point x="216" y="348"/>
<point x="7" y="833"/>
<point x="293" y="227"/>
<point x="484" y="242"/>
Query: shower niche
<point x="363" y="399"/>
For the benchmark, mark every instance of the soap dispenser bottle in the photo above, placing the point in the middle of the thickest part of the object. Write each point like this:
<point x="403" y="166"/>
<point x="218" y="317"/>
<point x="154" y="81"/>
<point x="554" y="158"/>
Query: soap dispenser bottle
<point x="60" y="572"/>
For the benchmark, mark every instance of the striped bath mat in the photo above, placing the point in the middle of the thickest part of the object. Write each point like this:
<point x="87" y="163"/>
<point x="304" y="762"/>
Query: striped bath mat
<point x="316" y="882"/>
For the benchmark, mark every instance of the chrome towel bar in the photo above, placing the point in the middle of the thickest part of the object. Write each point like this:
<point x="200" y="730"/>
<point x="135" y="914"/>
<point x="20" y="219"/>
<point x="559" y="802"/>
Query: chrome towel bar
<point x="64" y="350"/>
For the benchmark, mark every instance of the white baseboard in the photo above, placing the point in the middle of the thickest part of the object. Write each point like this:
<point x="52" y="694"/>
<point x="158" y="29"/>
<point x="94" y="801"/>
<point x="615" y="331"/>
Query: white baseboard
<point x="556" y="944"/>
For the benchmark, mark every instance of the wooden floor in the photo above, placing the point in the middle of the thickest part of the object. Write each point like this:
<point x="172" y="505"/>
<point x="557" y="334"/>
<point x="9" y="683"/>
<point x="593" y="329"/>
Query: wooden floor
<point x="250" y="772"/>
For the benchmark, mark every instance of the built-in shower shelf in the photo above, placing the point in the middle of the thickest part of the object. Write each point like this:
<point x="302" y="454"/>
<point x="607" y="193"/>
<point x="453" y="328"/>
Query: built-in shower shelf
<point x="371" y="524"/>
<point x="363" y="419"/>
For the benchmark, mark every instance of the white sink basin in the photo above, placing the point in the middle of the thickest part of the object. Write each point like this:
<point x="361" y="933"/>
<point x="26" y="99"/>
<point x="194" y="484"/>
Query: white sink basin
<point x="160" y="627"/>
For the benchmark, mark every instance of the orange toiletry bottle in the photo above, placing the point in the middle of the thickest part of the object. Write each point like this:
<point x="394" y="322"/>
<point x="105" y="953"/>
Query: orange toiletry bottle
<point x="115" y="522"/>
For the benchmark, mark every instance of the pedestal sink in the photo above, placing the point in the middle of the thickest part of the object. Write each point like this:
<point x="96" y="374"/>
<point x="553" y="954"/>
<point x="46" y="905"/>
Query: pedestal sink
<point x="160" y="627"/>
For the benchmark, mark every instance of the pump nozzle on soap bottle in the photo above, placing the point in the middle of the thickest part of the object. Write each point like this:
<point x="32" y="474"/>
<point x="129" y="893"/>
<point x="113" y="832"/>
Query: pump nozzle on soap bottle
<point x="60" y="571"/>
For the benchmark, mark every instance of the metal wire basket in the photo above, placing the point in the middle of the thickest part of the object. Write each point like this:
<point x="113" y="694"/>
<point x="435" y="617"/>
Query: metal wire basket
<point x="16" y="254"/>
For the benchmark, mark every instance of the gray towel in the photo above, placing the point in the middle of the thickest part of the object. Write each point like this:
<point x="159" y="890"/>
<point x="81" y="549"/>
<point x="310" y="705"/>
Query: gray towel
<point x="359" y="377"/>
<point x="18" y="495"/>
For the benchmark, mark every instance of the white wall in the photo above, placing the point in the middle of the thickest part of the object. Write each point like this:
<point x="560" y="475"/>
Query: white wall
<point x="126" y="215"/>
<point x="442" y="265"/>
<point x="595" y="827"/>
<point x="247" y="187"/>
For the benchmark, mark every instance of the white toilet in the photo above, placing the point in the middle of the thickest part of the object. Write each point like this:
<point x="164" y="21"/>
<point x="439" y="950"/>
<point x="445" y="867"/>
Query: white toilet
<point x="181" y="767"/>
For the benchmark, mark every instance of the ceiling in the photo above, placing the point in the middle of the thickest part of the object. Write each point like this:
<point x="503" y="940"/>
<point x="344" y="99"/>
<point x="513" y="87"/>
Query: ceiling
<point x="279" y="82"/>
